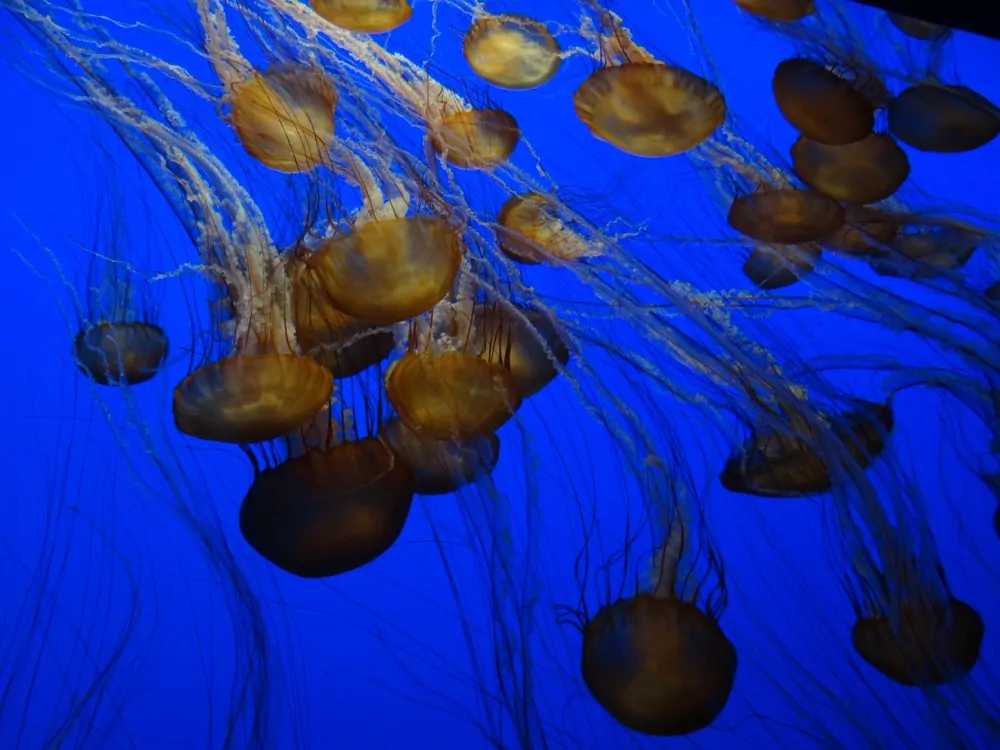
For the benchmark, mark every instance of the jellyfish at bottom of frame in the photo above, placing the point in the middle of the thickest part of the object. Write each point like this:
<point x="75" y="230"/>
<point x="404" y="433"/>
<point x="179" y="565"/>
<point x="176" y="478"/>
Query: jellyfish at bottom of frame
<point x="126" y="353"/>
<point x="329" y="512"/>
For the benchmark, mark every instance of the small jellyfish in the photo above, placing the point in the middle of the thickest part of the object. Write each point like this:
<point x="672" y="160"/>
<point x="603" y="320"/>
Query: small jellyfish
<point x="284" y="116"/>
<point x="925" y="31"/>
<point x="475" y="138"/>
<point x="126" y="353"/>
<point x="820" y="104"/>
<point x="943" y="119"/>
<point x="786" y="216"/>
<point x="512" y="51"/>
<point x="866" y="171"/>
<point x="451" y="395"/>
<point x="441" y="466"/>
<point x="649" y="108"/>
<point x="365" y="16"/>
<point x="782" y="11"/>
<point x="931" y="645"/>
<point x="777" y="267"/>
<point x="658" y="665"/>
<point x="530" y="231"/>
<point x="328" y="512"/>
<point x="866" y="231"/>
<point x="927" y="252"/>
<point x="387" y="271"/>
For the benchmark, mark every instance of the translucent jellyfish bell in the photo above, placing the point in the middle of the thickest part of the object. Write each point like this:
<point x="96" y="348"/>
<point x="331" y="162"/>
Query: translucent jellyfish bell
<point x="120" y="353"/>
<point x="778" y="10"/>
<point x="649" y="109"/>
<point x="786" y="216"/>
<point x="531" y="231"/>
<point x="512" y="51"/>
<point x="658" y="665"/>
<point x="943" y="119"/>
<point x="284" y="116"/>
<point x="866" y="171"/>
<point x="476" y="138"/>
<point x="328" y="512"/>
<point x="820" y="104"/>
<point x="365" y="16"/>
<point x="250" y="398"/>
<point x="774" y="267"/>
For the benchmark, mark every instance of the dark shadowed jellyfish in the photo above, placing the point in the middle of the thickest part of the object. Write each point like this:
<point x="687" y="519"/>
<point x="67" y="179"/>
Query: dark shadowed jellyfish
<point x="366" y="16"/>
<point x="925" y="31"/>
<point x="866" y="171"/>
<point x="475" y="138"/>
<point x="512" y="51"/>
<point x="530" y="230"/>
<point x="775" y="267"/>
<point x="124" y="353"/>
<point x="778" y="10"/>
<point x="823" y="106"/>
<point x="927" y="252"/>
<point x="944" y="119"/>
<point x="775" y="463"/>
<point x="786" y="216"/>
<point x="866" y="231"/>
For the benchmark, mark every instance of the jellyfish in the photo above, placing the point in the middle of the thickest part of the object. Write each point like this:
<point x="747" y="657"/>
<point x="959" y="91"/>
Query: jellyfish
<point x="530" y="230"/>
<point x="511" y="51"/>
<point x="927" y="251"/>
<point x="925" y="31"/>
<point x="820" y="104"/>
<point x="365" y="16"/>
<point x="943" y="119"/>
<point x="776" y="266"/>
<point x="123" y="353"/>
<point x="866" y="171"/>
<point x="786" y="216"/>
<point x="778" y="10"/>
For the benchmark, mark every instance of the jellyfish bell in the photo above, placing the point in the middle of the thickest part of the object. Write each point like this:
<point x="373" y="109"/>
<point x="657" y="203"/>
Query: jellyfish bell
<point x="441" y="466"/>
<point x="943" y="119"/>
<point x="777" y="267"/>
<point x="120" y="353"/>
<point x="927" y="252"/>
<point x="531" y="231"/>
<point x="916" y="28"/>
<point x="364" y="16"/>
<point x="328" y="512"/>
<point x="782" y="11"/>
<point x="786" y="216"/>
<point x="512" y="51"/>
<point x="658" y="665"/>
<point x="820" y="104"/>
<point x="866" y="171"/>
<point x="931" y="644"/>
<point x="388" y="271"/>
<point x="649" y="108"/>
<point x="866" y="231"/>
<point x="475" y="138"/>
<point x="284" y="116"/>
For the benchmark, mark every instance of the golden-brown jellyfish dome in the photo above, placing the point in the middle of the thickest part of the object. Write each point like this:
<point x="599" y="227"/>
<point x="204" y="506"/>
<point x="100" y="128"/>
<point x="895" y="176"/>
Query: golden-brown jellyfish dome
<point x="441" y="466"/>
<point x="786" y="216"/>
<point x="866" y="171"/>
<point x="866" y="231"/>
<point x="387" y="271"/>
<point x="512" y="51"/>
<point x="529" y="347"/>
<point x="772" y="268"/>
<point x="120" y="353"/>
<point x="250" y="398"/>
<point x="331" y="511"/>
<point x="778" y="10"/>
<point x="930" y="646"/>
<point x="339" y="342"/>
<point x="659" y="666"/>
<point x="925" y="31"/>
<point x="476" y="138"/>
<point x="775" y="464"/>
<point x="451" y="396"/>
<point x="820" y="104"/>
<point x="531" y="231"/>
<point x="943" y="119"/>
<point x="927" y="252"/>
<point x="365" y="16"/>
<point x="649" y="109"/>
<point x="284" y="116"/>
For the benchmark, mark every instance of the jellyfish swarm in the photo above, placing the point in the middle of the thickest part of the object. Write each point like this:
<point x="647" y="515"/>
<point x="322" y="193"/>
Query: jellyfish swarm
<point x="365" y="16"/>
<point x="120" y="353"/>
<point x="511" y="51"/>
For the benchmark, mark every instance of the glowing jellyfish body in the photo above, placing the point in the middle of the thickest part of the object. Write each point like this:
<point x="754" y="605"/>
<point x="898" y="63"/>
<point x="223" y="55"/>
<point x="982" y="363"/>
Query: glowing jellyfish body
<point x="786" y="217"/>
<point x="866" y="231"/>
<point x="284" y="116"/>
<point x="512" y="51"/>
<point x="530" y="231"/>
<point x="250" y="398"/>
<point x="510" y="342"/>
<point x="930" y="646"/>
<point x="441" y="466"/>
<point x="120" y="353"/>
<point x="649" y="109"/>
<point x="774" y="268"/>
<point x="659" y="666"/>
<point x="365" y="16"/>
<point x="328" y="512"/>
<point x="866" y="171"/>
<point x="925" y="31"/>
<point x="820" y="104"/>
<point x="476" y="138"/>
<point x="943" y="119"/>
<point x="451" y="396"/>
<point x="778" y="10"/>
<point x="387" y="271"/>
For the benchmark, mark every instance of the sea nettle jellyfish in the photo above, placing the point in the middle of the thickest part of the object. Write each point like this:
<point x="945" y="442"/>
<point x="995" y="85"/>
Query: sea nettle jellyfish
<point x="943" y="119"/>
<point x="866" y="171"/>
<point x="366" y="16"/>
<point x="820" y="104"/>
<point x="778" y="10"/>
<point x="531" y="230"/>
<point x="786" y="216"/>
<point x="512" y="51"/>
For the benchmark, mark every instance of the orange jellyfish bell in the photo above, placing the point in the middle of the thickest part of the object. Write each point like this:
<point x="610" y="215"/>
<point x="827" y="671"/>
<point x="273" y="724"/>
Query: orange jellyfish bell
<point x="476" y="138"/>
<point x="365" y="16"/>
<point x="328" y="512"/>
<point x="530" y="231"/>
<point x="451" y="396"/>
<point x="786" y="216"/>
<point x="866" y="171"/>
<point x="284" y="116"/>
<point x="659" y="666"/>
<point x="775" y="267"/>
<point x="441" y="466"/>
<point x="512" y="51"/>
<point x="925" y="31"/>
<point x="943" y="119"/>
<point x="930" y="646"/>
<point x="506" y="340"/>
<point x="649" y="109"/>
<point x="778" y="10"/>
<point x="250" y="398"/>
<point x="387" y="271"/>
<point x="820" y="104"/>
<point x="120" y="353"/>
